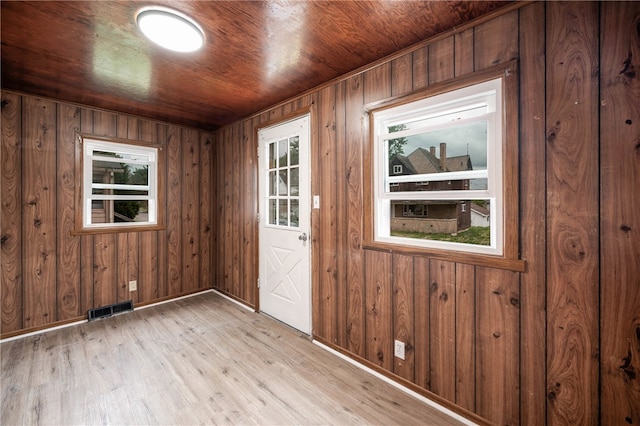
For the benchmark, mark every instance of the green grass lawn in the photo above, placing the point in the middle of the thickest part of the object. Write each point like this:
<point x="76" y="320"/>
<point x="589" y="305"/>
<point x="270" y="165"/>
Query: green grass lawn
<point x="479" y="235"/>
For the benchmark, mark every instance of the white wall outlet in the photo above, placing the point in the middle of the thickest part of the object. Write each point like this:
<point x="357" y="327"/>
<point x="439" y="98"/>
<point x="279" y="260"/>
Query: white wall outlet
<point x="133" y="285"/>
<point x="398" y="349"/>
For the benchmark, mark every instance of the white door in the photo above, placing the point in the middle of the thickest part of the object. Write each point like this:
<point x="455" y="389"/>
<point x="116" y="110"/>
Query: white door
<point x="285" y="255"/>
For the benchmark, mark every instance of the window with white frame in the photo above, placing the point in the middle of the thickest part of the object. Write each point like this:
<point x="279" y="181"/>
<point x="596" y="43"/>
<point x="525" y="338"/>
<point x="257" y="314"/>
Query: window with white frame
<point x="450" y="146"/>
<point x="119" y="184"/>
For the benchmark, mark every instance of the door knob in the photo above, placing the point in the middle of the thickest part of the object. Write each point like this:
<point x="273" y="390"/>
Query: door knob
<point x="303" y="237"/>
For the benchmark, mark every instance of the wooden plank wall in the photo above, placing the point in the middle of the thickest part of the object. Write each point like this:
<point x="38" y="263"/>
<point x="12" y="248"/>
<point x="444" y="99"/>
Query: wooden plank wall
<point x="50" y="276"/>
<point x="572" y="230"/>
<point x="513" y="348"/>
<point x="620" y="213"/>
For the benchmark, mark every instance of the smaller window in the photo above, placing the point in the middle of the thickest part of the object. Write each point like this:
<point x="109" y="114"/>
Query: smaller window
<point x="420" y="210"/>
<point x="397" y="169"/>
<point x="119" y="184"/>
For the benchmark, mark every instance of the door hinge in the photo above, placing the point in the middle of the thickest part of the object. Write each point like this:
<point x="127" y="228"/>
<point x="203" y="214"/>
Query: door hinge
<point x="258" y="282"/>
<point x="258" y="152"/>
<point x="258" y="218"/>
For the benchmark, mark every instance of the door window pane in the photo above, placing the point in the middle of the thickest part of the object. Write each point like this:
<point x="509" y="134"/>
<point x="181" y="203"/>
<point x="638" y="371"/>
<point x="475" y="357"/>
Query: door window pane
<point x="294" y="213"/>
<point x="283" y="152"/>
<point x="273" y="183"/>
<point x="295" y="149"/>
<point x="283" y="183"/>
<point x="273" y="212"/>
<point x="273" y="155"/>
<point x="283" y="213"/>
<point x="295" y="182"/>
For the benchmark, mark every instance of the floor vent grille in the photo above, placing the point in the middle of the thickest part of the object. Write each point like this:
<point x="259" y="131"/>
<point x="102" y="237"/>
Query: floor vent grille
<point x="107" y="311"/>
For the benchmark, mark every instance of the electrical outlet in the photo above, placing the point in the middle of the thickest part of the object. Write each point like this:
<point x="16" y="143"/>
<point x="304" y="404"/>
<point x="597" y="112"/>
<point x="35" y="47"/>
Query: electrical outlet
<point x="133" y="285"/>
<point x="398" y="350"/>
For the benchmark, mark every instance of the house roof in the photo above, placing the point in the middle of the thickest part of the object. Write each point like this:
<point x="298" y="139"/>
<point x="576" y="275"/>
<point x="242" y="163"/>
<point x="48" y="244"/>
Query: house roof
<point x="421" y="161"/>
<point x="479" y="209"/>
<point x="408" y="167"/>
<point x="424" y="161"/>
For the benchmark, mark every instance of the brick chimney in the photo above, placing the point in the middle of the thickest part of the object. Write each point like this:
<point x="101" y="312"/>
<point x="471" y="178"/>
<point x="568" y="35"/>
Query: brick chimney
<point x="432" y="150"/>
<point x="443" y="156"/>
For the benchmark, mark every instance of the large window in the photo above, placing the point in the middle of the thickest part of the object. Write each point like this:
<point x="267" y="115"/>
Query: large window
<point x="119" y="185"/>
<point x="437" y="164"/>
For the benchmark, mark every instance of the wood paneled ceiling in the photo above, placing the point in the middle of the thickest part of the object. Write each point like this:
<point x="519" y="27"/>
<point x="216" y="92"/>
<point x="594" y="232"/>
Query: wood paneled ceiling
<point x="257" y="53"/>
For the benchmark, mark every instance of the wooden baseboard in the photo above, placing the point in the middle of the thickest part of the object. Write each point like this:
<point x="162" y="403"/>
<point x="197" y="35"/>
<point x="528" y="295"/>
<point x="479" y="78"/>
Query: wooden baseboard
<point x="45" y="327"/>
<point x="235" y="299"/>
<point x="82" y="319"/>
<point x="407" y="384"/>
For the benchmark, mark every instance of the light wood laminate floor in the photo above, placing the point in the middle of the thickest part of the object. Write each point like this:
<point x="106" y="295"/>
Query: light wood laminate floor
<point x="199" y="360"/>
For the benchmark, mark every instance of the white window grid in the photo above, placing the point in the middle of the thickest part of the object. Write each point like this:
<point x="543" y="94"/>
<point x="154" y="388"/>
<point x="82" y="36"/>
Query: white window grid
<point x="288" y="197"/>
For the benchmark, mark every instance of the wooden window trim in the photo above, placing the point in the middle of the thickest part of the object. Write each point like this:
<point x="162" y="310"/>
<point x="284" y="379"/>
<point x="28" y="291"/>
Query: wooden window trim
<point x="510" y="258"/>
<point x="79" y="228"/>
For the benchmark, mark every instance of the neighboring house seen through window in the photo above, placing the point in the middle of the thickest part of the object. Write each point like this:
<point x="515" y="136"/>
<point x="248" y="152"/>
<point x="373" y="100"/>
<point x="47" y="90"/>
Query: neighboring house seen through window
<point x="434" y="159"/>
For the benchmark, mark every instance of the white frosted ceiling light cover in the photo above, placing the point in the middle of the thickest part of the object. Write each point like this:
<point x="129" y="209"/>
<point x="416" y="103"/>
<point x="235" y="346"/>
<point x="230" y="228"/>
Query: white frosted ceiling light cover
<point x="170" y="29"/>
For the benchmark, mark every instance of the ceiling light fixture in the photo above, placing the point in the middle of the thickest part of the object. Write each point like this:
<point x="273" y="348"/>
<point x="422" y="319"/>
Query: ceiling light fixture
<point x="170" y="29"/>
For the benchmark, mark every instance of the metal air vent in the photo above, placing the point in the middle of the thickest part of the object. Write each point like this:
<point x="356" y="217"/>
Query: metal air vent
<point x="107" y="311"/>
